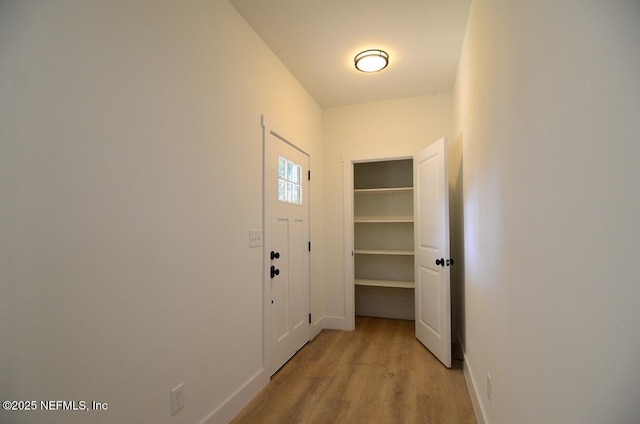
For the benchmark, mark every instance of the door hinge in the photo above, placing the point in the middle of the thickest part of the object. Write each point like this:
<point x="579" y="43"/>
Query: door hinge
<point x="309" y="246"/>
<point x="309" y="175"/>
<point x="309" y="318"/>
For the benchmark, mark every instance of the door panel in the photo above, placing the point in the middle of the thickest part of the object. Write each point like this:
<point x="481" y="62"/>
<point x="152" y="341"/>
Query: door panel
<point x="431" y="203"/>
<point x="429" y="295"/>
<point x="297" y="312"/>
<point x="280" y="284"/>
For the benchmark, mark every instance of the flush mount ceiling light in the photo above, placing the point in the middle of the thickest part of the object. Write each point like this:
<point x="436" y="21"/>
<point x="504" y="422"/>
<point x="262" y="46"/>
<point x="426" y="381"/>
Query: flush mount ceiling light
<point x="371" y="60"/>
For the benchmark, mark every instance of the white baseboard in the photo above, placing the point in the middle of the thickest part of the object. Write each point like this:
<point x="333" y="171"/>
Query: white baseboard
<point x="238" y="400"/>
<point x="316" y="328"/>
<point x="472" y="387"/>
<point x="333" y="323"/>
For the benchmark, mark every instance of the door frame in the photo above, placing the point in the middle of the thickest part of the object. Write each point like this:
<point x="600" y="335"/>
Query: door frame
<point x="349" y="242"/>
<point x="270" y="128"/>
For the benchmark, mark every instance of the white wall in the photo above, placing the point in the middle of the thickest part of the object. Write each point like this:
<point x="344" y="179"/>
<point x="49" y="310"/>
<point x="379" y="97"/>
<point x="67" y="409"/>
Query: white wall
<point x="130" y="175"/>
<point x="384" y="129"/>
<point x="547" y="101"/>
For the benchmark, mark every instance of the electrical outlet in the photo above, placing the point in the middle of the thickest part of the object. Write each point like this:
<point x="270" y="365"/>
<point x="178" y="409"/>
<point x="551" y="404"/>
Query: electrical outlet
<point x="489" y="394"/>
<point x="255" y="238"/>
<point x="177" y="399"/>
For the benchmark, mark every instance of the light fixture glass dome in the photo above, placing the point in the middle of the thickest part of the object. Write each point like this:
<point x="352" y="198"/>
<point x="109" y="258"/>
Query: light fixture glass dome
<point x="371" y="60"/>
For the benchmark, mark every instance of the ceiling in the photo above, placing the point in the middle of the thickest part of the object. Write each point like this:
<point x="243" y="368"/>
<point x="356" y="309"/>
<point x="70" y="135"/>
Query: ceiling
<point x="318" y="39"/>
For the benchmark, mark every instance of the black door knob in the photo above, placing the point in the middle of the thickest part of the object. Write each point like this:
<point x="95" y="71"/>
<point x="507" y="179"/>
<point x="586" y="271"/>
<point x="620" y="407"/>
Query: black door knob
<point x="440" y="261"/>
<point x="449" y="262"/>
<point x="274" y="271"/>
<point x="275" y="255"/>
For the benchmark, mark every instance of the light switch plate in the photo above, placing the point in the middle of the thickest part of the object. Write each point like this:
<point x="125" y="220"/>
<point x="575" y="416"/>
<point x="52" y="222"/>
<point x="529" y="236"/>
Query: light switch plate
<point x="255" y="238"/>
<point x="177" y="399"/>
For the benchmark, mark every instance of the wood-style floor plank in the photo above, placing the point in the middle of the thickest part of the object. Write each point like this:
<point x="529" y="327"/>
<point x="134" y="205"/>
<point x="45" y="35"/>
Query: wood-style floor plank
<point x="379" y="374"/>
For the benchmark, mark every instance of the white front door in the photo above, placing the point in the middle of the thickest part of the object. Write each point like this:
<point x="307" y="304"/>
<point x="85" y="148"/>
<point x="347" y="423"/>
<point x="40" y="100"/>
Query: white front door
<point x="432" y="261"/>
<point x="286" y="249"/>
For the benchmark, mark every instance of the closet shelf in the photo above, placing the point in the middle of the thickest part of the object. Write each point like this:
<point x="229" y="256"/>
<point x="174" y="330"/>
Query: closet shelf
<point x="383" y="190"/>
<point x="382" y="220"/>
<point x="385" y="283"/>
<point x="384" y="252"/>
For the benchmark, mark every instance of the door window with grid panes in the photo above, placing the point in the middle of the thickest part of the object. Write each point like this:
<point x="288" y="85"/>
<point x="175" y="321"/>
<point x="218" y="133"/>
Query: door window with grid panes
<point x="289" y="181"/>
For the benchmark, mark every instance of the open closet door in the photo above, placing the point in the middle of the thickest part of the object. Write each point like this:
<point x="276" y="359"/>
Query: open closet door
<point x="431" y="238"/>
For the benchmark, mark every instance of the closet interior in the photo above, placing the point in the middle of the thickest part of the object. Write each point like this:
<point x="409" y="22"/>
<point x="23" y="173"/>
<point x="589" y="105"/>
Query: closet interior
<point x="383" y="238"/>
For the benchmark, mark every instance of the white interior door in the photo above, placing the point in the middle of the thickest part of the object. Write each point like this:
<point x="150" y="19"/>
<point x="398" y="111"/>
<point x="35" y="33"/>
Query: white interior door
<point x="286" y="241"/>
<point x="431" y="238"/>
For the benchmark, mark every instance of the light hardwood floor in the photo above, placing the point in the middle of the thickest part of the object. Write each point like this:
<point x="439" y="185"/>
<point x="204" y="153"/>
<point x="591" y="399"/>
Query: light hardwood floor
<point x="379" y="373"/>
